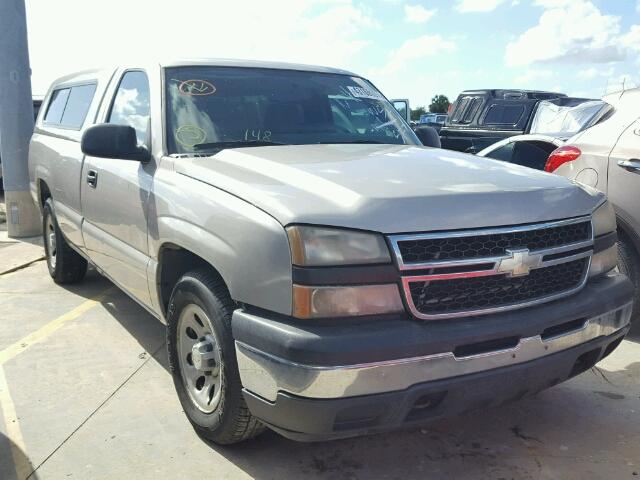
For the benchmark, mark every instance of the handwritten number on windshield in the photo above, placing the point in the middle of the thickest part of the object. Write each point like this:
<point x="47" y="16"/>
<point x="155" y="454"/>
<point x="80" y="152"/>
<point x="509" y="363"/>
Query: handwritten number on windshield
<point x="260" y="135"/>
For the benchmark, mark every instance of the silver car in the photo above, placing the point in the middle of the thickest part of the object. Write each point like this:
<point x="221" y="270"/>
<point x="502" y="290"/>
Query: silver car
<point x="319" y="271"/>
<point x="606" y="156"/>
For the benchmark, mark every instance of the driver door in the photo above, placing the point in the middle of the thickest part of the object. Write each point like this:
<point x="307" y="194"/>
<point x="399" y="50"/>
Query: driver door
<point x="115" y="193"/>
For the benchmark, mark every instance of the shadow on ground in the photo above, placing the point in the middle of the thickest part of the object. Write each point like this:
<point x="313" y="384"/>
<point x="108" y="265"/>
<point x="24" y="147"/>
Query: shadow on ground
<point x="14" y="464"/>
<point x="143" y="327"/>
<point x="551" y="435"/>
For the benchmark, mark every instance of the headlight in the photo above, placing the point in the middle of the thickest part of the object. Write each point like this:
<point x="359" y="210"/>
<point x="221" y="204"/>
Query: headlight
<point x="604" y="261"/>
<point x="604" y="219"/>
<point x="319" y="302"/>
<point x="321" y="247"/>
<point x="604" y="222"/>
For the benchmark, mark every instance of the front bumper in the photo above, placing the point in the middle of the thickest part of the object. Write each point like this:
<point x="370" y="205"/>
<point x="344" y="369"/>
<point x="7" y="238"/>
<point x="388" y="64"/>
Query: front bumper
<point x="296" y="379"/>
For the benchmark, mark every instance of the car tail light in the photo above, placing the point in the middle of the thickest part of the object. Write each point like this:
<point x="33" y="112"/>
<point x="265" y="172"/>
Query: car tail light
<point x="560" y="156"/>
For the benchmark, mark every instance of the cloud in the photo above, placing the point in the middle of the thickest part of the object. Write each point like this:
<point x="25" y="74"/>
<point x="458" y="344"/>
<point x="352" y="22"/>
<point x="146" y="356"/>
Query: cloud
<point x="588" y="73"/>
<point x="423" y="86"/>
<point x="416" y="49"/>
<point x="552" y="3"/>
<point x="417" y="14"/>
<point x="588" y="37"/>
<point x="466" y="6"/>
<point x="631" y="39"/>
<point x="326" y="32"/>
<point x="532" y="76"/>
<point x="593" y="72"/>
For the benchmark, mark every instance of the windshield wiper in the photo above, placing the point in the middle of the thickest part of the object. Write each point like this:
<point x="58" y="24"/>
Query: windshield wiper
<point x="234" y="144"/>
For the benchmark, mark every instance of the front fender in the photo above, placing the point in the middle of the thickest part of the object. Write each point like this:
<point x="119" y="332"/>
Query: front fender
<point x="248" y="247"/>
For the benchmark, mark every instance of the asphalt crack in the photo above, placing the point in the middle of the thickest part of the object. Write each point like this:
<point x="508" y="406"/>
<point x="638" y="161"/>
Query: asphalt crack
<point x="21" y="267"/>
<point x="111" y="395"/>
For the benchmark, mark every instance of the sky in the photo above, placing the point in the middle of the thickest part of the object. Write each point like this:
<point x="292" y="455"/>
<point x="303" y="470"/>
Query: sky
<point x="409" y="49"/>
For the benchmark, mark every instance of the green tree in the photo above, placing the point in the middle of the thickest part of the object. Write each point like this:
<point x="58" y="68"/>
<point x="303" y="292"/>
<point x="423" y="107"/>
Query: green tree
<point x="416" y="112"/>
<point x="439" y="104"/>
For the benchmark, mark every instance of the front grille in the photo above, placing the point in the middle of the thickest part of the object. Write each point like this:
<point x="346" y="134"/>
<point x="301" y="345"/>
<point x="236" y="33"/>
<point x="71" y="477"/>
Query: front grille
<point x="470" y="272"/>
<point x="438" y="297"/>
<point x="492" y="245"/>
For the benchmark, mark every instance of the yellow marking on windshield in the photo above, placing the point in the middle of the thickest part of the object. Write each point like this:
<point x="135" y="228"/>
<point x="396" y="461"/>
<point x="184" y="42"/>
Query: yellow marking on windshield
<point x="190" y="135"/>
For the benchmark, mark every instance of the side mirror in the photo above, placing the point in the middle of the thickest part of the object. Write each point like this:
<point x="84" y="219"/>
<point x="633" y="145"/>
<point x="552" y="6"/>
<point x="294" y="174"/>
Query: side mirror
<point x="402" y="106"/>
<point x="107" y="140"/>
<point x="428" y="136"/>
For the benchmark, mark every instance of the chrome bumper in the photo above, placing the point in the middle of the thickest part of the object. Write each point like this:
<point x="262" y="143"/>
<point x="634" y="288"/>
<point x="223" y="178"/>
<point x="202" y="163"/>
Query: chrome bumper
<point x="265" y="375"/>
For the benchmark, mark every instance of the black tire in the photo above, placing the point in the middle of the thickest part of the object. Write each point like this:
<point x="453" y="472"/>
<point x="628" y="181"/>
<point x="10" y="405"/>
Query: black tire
<point x="629" y="264"/>
<point x="231" y="421"/>
<point x="64" y="263"/>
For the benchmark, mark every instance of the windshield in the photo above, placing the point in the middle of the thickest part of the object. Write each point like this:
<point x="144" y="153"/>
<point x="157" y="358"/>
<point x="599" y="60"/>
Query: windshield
<point x="210" y="108"/>
<point x="554" y="119"/>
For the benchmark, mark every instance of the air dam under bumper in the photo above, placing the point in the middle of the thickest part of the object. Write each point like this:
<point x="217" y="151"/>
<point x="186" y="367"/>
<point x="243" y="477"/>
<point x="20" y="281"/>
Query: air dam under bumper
<point x="320" y="401"/>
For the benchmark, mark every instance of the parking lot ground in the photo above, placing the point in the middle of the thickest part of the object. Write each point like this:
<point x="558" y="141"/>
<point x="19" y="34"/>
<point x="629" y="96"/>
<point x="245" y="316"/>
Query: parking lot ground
<point x="85" y="393"/>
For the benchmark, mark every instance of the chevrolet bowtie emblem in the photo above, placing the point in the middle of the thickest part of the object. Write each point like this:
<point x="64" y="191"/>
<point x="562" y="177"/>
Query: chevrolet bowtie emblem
<point x="519" y="262"/>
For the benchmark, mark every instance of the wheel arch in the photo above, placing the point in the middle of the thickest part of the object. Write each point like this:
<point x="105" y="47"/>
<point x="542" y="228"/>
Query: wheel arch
<point x="246" y="247"/>
<point x="43" y="191"/>
<point x="627" y="230"/>
<point x="174" y="260"/>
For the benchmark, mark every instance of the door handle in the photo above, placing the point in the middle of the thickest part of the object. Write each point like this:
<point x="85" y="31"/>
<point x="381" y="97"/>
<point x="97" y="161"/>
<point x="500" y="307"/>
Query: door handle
<point x="92" y="178"/>
<point x="631" y="165"/>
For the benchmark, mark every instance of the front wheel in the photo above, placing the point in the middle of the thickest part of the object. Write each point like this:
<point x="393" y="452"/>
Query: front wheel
<point x="203" y="362"/>
<point x="64" y="263"/>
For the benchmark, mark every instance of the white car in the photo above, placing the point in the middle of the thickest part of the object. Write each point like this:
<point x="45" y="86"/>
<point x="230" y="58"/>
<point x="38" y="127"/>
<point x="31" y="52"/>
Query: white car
<point x="529" y="150"/>
<point x="551" y="127"/>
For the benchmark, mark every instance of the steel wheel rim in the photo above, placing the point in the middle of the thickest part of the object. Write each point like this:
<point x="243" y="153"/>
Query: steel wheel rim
<point x="199" y="358"/>
<point x="51" y="243"/>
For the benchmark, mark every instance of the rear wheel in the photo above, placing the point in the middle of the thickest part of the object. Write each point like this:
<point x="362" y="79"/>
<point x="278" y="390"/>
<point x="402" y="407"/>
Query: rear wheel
<point x="629" y="264"/>
<point x="65" y="264"/>
<point x="203" y="362"/>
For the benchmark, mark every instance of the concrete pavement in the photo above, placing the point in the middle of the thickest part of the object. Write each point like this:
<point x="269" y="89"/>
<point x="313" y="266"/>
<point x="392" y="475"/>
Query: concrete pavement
<point x="85" y="393"/>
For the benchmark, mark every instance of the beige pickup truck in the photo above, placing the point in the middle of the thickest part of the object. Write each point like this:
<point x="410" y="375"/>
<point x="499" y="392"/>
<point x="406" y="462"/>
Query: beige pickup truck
<point x="320" y="271"/>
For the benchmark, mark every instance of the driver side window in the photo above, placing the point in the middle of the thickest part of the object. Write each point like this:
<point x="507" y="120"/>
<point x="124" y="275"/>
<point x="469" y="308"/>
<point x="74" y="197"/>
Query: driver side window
<point x="131" y="105"/>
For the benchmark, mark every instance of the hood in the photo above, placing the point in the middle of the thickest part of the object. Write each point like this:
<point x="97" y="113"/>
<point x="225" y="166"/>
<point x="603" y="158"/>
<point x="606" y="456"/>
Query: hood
<point x="388" y="188"/>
